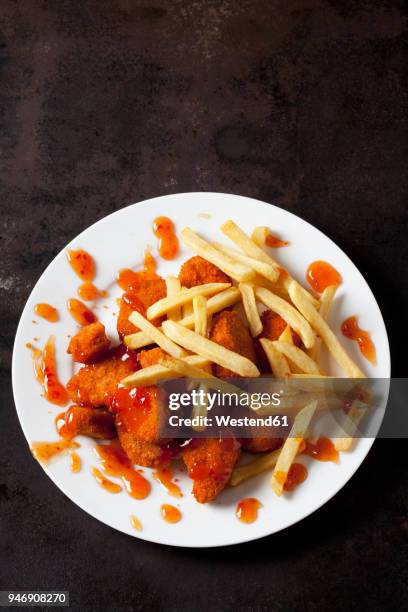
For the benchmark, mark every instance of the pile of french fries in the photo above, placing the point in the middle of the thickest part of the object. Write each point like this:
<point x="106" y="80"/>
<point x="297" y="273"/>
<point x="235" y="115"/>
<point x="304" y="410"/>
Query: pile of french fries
<point x="258" y="281"/>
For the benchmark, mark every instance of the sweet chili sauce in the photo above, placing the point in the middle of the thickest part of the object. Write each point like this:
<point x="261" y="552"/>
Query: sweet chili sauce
<point x="296" y="475"/>
<point x="80" y="313"/>
<point x="322" y="450"/>
<point x="82" y="263"/>
<point x="321" y="275"/>
<point x="44" y="451"/>
<point x="105" y="483"/>
<point x="163" y="229"/>
<point x="275" y="242"/>
<point x="74" y="462"/>
<point x="247" y="509"/>
<point x="135" y="522"/>
<point x="46" y="373"/>
<point x="149" y="262"/>
<point x="351" y="329"/>
<point x="164" y="475"/>
<point x="88" y="292"/>
<point x="116" y="463"/>
<point x="170" y="514"/>
<point x="47" y="312"/>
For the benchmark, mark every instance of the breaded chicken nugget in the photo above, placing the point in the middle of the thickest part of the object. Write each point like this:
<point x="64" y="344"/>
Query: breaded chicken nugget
<point x="229" y="330"/>
<point x="142" y="290"/>
<point x="210" y="463"/>
<point x="150" y="357"/>
<point x="93" y="384"/>
<point x="199" y="271"/>
<point x="274" y="326"/>
<point x="137" y="422"/>
<point x="85" y="421"/>
<point x="89" y="344"/>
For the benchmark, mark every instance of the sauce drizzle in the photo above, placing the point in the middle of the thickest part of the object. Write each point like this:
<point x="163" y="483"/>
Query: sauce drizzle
<point x="105" y="483"/>
<point x="47" y="312"/>
<point x="170" y="514"/>
<point x="321" y="275"/>
<point x="247" y="510"/>
<point x="46" y="373"/>
<point x="351" y="329"/>
<point x="164" y="475"/>
<point x="116" y="463"/>
<point x="74" y="462"/>
<point x="163" y="229"/>
<point x="149" y="262"/>
<point x="322" y="450"/>
<point x="296" y="475"/>
<point x="82" y="263"/>
<point x="135" y="522"/>
<point x="80" y="313"/>
<point x="274" y="242"/>
<point x="44" y="451"/>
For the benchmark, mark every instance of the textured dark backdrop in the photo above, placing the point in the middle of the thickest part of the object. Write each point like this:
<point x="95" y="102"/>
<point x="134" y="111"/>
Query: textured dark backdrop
<point x="298" y="103"/>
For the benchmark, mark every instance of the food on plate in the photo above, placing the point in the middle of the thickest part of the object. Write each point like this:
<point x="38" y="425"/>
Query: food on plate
<point x="226" y="313"/>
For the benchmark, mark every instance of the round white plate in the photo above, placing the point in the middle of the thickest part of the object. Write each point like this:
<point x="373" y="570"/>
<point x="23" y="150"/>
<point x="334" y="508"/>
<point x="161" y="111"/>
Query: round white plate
<point x="119" y="241"/>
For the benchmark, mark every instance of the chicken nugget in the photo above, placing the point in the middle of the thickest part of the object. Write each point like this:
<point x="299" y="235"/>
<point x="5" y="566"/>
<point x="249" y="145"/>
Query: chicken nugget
<point x="93" y="384"/>
<point x="142" y="290"/>
<point x="150" y="357"/>
<point x="89" y="344"/>
<point x="210" y="463"/>
<point x="85" y="421"/>
<point x="229" y="331"/>
<point x="199" y="271"/>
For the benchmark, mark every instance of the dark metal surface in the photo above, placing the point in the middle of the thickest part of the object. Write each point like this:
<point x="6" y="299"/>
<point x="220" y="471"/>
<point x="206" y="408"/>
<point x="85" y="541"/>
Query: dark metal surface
<point x="303" y="104"/>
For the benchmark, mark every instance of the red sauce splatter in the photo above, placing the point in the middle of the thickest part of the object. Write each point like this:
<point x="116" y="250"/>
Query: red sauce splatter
<point x="105" y="483"/>
<point x="321" y="275"/>
<point x="54" y="390"/>
<point x="82" y="263"/>
<point x="44" y="451"/>
<point x="351" y="329"/>
<point x="47" y="312"/>
<point x="165" y="475"/>
<point x="135" y="522"/>
<point x="116" y="463"/>
<point x="322" y="450"/>
<point x="75" y="462"/>
<point x="170" y="514"/>
<point x="275" y="242"/>
<point x="296" y="475"/>
<point x="163" y="229"/>
<point x="80" y="313"/>
<point x="149" y="262"/>
<point x="247" y="509"/>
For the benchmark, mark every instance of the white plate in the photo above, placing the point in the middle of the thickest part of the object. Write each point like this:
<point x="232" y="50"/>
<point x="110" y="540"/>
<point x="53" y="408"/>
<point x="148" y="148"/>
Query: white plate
<point x="118" y="241"/>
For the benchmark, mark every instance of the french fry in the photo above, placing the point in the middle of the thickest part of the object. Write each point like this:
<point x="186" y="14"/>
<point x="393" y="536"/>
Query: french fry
<point x="326" y="300"/>
<point x="173" y="288"/>
<point x="162" y="306"/>
<point x="209" y="349"/>
<point x="292" y="317"/>
<point x="286" y="335"/>
<point x="323" y="330"/>
<point x="351" y="422"/>
<point x="251" y="310"/>
<point x="200" y="315"/>
<point x="250" y="248"/>
<point x="156" y="335"/>
<point x="183" y="367"/>
<point x="253" y="468"/>
<point x="267" y="270"/>
<point x="157" y="372"/>
<point x="236" y="270"/>
<point x="214" y="304"/>
<point x="277" y="361"/>
<point x="260" y="234"/>
<point x="297" y="356"/>
<point x="291" y="447"/>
